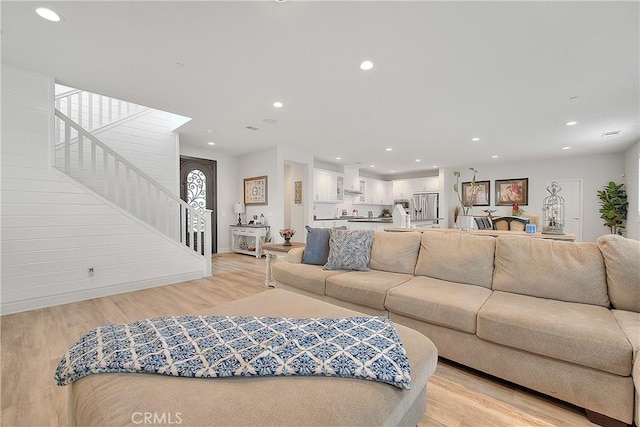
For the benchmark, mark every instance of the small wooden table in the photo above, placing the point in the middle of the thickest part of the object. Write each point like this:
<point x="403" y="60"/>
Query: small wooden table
<point x="274" y="250"/>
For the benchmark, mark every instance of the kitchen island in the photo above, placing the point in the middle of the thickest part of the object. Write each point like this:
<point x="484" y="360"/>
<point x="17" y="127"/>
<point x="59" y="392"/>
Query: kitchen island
<point x="570" y="237"/>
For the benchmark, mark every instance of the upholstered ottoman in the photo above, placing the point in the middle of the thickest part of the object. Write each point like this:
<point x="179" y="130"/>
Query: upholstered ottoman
<point x="142" y="399"/>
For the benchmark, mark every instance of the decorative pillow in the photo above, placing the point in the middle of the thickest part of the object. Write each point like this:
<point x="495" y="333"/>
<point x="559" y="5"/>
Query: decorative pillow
<point x="349" y="250"/>
<point x="316" y="250"/>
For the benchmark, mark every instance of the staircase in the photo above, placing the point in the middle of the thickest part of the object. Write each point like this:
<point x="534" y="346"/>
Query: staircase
<point x="86" y="159"/>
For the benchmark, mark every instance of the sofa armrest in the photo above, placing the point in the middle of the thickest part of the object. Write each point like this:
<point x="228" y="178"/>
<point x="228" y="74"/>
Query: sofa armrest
<point x="295" y="255"/>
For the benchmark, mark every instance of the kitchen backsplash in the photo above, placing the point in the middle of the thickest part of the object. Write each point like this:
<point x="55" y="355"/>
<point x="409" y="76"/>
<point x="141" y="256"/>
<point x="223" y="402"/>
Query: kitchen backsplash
<point x="330" y="210"/>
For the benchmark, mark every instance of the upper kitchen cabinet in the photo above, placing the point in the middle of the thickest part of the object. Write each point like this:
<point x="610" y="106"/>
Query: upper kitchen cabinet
<point x="405" y="188"/>
<point x="327" y="186"/>
<point x="375" y="192"/>
<point x="401" y="189"/>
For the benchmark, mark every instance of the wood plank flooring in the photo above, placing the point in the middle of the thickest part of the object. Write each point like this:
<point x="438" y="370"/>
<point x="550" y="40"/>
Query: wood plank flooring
<point x="33" y="342"/>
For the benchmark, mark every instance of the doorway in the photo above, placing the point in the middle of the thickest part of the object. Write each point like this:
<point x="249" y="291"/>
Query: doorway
<point x="571" y="191"/>
<point x="198" y="188"/>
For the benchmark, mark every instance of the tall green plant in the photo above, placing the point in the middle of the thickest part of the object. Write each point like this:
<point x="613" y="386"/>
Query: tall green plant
<point x="467" y="204"/>
<point x="613" y="207"/>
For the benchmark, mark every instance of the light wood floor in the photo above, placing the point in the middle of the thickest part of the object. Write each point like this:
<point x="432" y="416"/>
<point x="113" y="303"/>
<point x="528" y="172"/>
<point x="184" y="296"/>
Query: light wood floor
<point x="33" y="342"/>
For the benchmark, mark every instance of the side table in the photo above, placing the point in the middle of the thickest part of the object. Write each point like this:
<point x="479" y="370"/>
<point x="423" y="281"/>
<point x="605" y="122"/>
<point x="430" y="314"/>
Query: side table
<point x="274" y="250"/>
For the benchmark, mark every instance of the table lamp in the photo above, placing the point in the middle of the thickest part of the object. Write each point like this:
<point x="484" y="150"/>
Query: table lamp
<point x="239" y="209"/>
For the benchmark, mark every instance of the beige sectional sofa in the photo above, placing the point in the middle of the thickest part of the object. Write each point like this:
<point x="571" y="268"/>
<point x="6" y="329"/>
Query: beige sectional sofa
<point x="561" y="318"/>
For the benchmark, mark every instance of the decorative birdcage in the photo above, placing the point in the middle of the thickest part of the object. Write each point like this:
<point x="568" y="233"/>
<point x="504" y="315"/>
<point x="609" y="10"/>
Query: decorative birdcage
<point x="553" y="211"/>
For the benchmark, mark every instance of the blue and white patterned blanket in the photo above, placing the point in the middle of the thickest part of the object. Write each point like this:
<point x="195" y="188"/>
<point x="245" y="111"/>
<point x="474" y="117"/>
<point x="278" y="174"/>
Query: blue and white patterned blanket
<point x="224" y="346"/>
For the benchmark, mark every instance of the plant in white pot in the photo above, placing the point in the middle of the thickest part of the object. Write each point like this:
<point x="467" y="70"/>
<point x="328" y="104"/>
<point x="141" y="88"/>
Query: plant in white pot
<point x="462" y="214"/>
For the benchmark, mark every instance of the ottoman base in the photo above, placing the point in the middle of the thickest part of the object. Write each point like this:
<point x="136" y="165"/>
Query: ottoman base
<point x="133" y="399"/>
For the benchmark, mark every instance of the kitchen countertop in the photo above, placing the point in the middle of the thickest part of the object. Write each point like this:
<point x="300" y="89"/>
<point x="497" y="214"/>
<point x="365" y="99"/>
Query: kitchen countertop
<point x="382" y="220"/>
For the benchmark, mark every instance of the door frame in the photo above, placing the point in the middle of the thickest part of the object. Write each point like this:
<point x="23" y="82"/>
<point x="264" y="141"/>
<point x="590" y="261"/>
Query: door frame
<point x="210" y="168"/>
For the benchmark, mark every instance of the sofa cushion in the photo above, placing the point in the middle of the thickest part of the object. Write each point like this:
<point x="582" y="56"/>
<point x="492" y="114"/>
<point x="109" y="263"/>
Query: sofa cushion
<point x="457" y="257"/>
<point x="564" y="271"/>
<point x="629" y="321"/>
<point x="349" y="250"/>
<point x="395" y="252"/>
<point x="302" y="276"/>
<point x="364" y="288"/>
<point x="316" y="250"/>
<point x="583" y="334"/>
<point x="443" y="303"/>
<point x="622" y="261"/>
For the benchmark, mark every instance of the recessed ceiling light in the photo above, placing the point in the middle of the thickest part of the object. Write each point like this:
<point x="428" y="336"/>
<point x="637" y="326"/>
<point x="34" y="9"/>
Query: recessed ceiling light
<point x="338" y="158"/>
<point x="571" y="123"/>
<point x="435" y="166"/>
<point x="48" y="14"/>
<point x="392" y="171"/>
<point x="366" y="65"/>
<point x="566" y="148"/>
<point x="418" y="160"/>
<point x="280" y="1"/>
<point x="372" y="166"/>
<point x="211" y="143"/>
<point x="278" y="104"/>
<point x="475" y="139"/>
<point x="388" y="149"/>
<point x="494" y="157"/>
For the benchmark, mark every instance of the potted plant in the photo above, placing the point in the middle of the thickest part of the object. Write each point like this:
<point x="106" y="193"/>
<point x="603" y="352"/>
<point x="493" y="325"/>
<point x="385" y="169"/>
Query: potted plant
<point x="613" y="207"/>
<point x="386" y="213"/>
<point x="461" y="215"/>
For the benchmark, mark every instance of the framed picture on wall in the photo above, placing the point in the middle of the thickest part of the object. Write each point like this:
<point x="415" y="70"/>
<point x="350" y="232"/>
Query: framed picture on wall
<point x="482" y="194"/>
<point x="255" y="190"/>
<point x="512" y="191"/>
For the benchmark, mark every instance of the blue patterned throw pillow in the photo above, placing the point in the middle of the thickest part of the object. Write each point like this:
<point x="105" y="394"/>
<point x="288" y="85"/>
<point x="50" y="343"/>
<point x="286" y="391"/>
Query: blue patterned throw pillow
<point x="349" y="250"/>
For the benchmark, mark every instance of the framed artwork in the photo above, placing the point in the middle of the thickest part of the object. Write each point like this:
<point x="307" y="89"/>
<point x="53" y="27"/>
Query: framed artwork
<point x="512" y="191"/>
<point x="255" y="190"/>
<point x="482" y="194"/>
<point x="297" y="192"/>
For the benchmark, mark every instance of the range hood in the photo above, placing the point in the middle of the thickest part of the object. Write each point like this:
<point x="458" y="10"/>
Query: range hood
<point x="352" y="180"/>
<point x="350" y="191"/>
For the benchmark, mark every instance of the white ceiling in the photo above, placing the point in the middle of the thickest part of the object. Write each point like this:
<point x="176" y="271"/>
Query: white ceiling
<point x="510" y="73"/>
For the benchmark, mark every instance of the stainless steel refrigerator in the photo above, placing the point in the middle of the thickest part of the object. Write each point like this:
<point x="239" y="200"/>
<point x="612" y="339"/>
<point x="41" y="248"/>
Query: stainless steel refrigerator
<point x="426" y="207"/>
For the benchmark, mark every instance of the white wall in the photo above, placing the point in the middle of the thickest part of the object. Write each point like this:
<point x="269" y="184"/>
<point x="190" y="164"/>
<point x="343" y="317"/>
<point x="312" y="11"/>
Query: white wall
<point x="631" y="178"/>
<point x="228" y="188"/>
<point x="595" y="171"/>
<point x="148" y="142"/>
<point x="52" y="230"/>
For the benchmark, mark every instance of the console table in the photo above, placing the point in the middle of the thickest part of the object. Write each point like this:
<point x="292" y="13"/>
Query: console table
<point x="247" y="239"/>
<point x="274" y="250"/>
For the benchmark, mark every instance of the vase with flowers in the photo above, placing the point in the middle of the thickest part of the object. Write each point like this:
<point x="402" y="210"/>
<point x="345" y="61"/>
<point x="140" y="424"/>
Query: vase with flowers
<point x="462" y="214"/>
<point x="287" y="234"/>
<point x="516" y="211"/>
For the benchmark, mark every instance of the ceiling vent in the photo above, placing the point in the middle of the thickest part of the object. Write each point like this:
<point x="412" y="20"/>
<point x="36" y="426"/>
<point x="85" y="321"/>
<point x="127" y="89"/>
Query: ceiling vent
<point x="611" y="133"/>
<point x="253" y="128"/>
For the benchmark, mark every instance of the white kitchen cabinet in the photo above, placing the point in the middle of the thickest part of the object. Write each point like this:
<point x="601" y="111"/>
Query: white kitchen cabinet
<point x="327" y="186"/>
<point x="247" y="239"/>
<point x="401" y="189"/>
<point x="374" y="192"/>
<point x="433" y="184"/>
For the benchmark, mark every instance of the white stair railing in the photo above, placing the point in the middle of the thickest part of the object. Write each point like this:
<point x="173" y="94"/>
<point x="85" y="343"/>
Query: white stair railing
<point x="88" y="160"/>
<point x="92" y="111"/>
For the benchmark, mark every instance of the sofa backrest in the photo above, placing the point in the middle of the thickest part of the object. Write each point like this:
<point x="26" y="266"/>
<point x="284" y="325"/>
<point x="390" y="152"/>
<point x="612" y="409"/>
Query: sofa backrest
<point x="564" y="271"/>
<point x="457" y="257"/>
<point x="396" y="252"/>
<point x="622" y="262"/>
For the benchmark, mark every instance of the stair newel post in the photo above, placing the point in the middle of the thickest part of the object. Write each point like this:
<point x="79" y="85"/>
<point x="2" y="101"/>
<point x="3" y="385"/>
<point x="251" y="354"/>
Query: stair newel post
<point x="183" y="224"/>
<point x="207" y="241"/>
<point x="105" y="169"/>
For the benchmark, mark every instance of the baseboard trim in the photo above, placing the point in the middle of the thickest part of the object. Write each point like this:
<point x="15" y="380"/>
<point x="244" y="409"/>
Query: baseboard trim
<point x="85" y="294"/>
